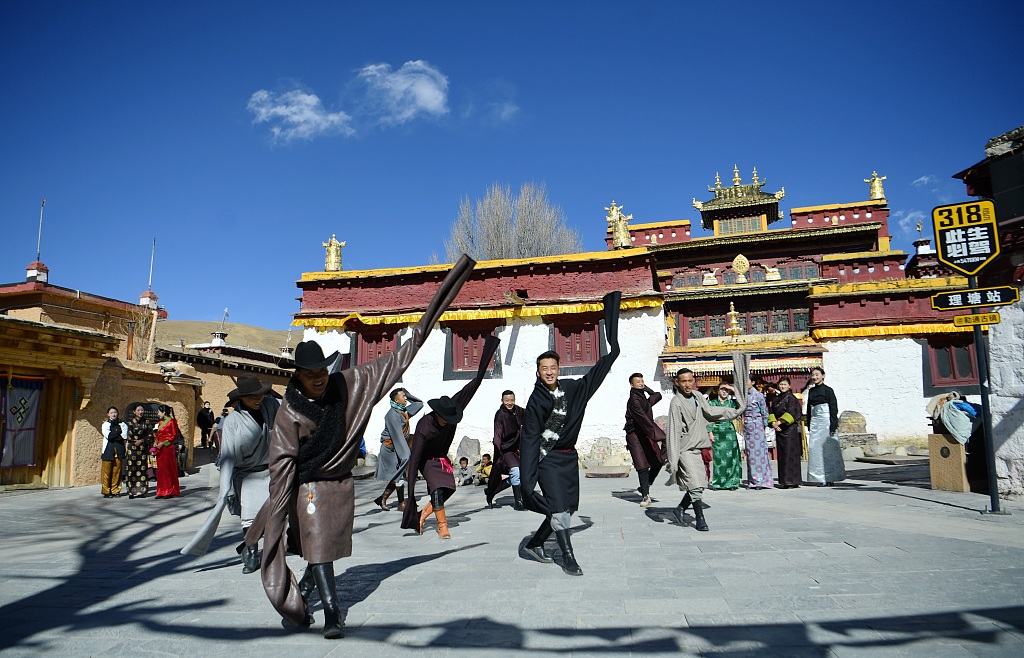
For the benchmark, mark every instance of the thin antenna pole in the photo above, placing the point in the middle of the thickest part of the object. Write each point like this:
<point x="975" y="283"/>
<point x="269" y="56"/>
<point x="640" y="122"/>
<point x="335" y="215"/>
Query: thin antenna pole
<point x="152" y="257"/>
<point x="39" y="240"/>
<point x="223" y="319"/>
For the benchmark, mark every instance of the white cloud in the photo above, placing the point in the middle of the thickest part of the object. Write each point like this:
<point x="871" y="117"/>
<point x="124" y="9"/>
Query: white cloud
<point x="503" y="111"/>
<point x="297" y="115"/>
<point x="399" y="96"/>
<point x="924" y="181"/>
<point x="907" y="220"/>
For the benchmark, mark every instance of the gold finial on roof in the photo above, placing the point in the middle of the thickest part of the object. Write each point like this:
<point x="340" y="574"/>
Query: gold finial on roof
<point x="618" y="226"/>
<point x="718" y="180"/>
<point x="333" y="261"/>
<point x="755" y="175"/>
<point x="735" y="175"/>
<point x="875" y="186"/>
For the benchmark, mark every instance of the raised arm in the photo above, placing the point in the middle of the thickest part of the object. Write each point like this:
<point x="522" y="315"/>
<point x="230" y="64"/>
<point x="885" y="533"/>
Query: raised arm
<point x="592" y="380"/>
<point x="463" y="397"/>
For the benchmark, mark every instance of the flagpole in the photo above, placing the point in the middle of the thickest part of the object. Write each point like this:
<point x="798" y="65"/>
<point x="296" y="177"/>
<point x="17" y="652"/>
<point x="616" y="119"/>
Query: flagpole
<point x="39" y="240"/>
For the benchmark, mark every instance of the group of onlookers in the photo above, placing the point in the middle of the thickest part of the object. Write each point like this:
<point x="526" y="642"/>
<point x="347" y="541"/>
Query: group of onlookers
<point x="136" y="451"/>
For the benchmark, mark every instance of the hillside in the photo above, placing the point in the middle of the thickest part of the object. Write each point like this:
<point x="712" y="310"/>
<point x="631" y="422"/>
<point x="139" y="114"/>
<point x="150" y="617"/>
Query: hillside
<point x="170" y="332"/>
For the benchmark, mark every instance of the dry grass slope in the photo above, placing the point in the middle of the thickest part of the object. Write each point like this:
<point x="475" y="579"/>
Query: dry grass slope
<point x="169" y="332"/>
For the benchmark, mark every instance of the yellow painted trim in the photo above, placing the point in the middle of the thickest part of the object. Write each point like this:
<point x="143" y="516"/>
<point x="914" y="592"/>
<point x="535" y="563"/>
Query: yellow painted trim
<point x="861" y="255"/>
<point x="890" y="330"/>
<point x="840" y="206"/>
<point x="323" y="323"/>
<point x="679" y="222"/>
<point x="895" y="286"/>
<point x="581" y="257"/>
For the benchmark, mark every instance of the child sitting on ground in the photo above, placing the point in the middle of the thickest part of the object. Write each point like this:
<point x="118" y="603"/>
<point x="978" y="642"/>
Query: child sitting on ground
<point x="463" y="475"/>
<point x="483" y="470"/>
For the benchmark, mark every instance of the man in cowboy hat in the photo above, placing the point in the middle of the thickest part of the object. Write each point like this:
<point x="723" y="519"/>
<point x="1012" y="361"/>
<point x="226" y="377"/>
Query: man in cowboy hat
<point x="430" y="444"/>
<point x="314" y="447"/>
<point x="244" y="465"/>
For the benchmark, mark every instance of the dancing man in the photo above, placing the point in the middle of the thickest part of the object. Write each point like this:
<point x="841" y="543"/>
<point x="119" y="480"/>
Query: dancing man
<point x="393" y="460"/>
<point x="551" y="426"/>
<point x="508" y="430"/>
<point x="430" y="444"/>
<point x="244" y="465"/>
<point x="687" y="433"/>
<point x="314" y="447"/>
<point x="644" y="439"/>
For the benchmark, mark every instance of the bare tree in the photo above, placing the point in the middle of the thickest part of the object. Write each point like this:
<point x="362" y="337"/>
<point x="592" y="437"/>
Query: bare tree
<point x="500" y="226"/>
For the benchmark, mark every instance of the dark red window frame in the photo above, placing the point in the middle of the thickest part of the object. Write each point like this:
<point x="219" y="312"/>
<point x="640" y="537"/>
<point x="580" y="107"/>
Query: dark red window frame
<point x="375" y="343"/>
<point x="468" y="344"/>
<point x="578" y="342"/>
<point x="948" y="361"/>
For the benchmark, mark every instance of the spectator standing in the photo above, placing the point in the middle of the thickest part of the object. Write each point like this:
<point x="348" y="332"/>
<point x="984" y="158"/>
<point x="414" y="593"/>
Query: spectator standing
<point x="140" y="440"/>
<point x="785" y="418"/>
<point x="205" y="421"/>
<point x="115" y="433"/>
<point x="644" y="439"/>
<point x="728" y="468"/>
<point x="393" y="460"/>
<point x="824" y="456"/>
<point x="508" y="430"/>
<point x="166" y="433"/>
<point x="755" y="420"/>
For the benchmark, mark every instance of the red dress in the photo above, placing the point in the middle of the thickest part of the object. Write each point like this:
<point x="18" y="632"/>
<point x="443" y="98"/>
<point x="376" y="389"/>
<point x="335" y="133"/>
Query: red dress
<point x="167" y="460"/>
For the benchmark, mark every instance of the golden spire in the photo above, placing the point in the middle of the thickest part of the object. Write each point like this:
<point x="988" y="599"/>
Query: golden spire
<point x="718" y="180"/>
<point x="755" y="175"/>
<point x="735" y="175"/>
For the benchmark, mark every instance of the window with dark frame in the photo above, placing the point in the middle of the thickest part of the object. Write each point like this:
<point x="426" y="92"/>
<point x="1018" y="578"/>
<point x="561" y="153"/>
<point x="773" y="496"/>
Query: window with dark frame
<point x="468" y="345"/>
<point x="953" y="363"/>
<point x="578" y="343"/>
<point x="375" y="343"/>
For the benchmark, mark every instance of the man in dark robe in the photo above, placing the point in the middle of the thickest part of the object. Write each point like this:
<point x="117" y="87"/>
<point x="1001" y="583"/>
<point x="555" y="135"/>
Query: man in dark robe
<point x="204" y="419"/>
<point x="508" y="429"/>
<point x="316" y="441"/>
<point x="430" y="444"/>
<point x="644" y="439"/>
<point x="551" y="426"/>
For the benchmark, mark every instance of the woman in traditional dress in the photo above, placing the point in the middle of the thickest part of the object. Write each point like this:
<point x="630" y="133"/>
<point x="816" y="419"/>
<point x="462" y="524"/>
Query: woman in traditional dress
<point x="755" y="420"/>
<point x="824" y="456"/>
<point x="166" y="453"/>
<point x="727" y="470"/>
<point x="785" y="418"/>
<point x="140" y="439"/>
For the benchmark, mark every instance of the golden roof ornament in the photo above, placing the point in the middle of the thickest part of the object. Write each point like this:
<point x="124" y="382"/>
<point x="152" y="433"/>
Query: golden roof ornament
<point x="875" y="187"/>
<point x="333" y="261"/>
<point x="733" y="330"/>
<point x="740" y="265"/>
<point x="618" y="226"/>
<point x="736" y="180"/>
<point x="718" y="181"/>
<point x="755" y="176"/>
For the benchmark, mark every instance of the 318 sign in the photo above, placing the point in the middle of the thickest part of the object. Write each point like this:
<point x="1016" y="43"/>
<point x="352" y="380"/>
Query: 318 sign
<point x="966" y="235"/>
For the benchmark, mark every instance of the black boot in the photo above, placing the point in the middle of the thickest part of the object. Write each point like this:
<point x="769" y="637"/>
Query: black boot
<point x="250" y="559"/>
<point x="645" y="487"/>
<point x="698" y="512"/>
<point x="535" y="547"/>
<point x="306" y="586"/>
<point x="505" y="484"/>
<point x="323" y="573"/>
<point x="681" y="507"/>
<point x="517" y="493"/>
<point x="568" y="563"/>
<point x="401" y="498"/>
<point x="381" y="501"/>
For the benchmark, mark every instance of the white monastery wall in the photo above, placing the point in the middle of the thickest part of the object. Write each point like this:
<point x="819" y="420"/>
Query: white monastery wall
<point x="880" y="378"/>
<point x="641" y="337"/>
<point x="1006" y="366"/>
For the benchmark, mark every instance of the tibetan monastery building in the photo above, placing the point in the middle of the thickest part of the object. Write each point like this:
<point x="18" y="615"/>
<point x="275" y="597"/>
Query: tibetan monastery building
<point x="826" y="290"/>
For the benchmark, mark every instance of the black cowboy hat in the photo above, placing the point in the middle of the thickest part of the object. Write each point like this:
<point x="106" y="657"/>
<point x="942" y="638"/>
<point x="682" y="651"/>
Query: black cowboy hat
<point x="445" y="408"/>
<point x="310" y="356"/>
<point x="249" y="385"/>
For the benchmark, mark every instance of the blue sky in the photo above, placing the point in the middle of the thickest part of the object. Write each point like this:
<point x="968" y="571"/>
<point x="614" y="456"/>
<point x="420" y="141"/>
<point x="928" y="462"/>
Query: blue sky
<point x="241" y="135"/>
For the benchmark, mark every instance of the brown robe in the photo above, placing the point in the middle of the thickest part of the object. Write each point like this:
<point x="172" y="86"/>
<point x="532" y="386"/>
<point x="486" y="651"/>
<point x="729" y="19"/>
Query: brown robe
<point x="326" y="535"/>
<point x="644" y="439"/>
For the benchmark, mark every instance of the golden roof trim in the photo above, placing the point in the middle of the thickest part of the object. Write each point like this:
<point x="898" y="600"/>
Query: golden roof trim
<point x="839" y="206"/>
<point x="580" y="257"/>
<point x="774" y="234"/>
<point x="739" y="289"/>
<point x="669" y="224"/>
<point x="861" y="254"/>
<point x="892" y="286"/>
<point x="876" y="331"/>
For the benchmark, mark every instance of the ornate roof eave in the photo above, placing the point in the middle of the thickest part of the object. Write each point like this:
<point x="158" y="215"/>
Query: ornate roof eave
<point x="767" y="236"/>
<point x="803" y="345"/>
<point x="924" y="287"/>
<point x="322" y="321"/>
<point x="863" y="255"/>
<point x="742" y="290"/>
<point x="443" y="268"/>
<point x="754" y="199"/>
